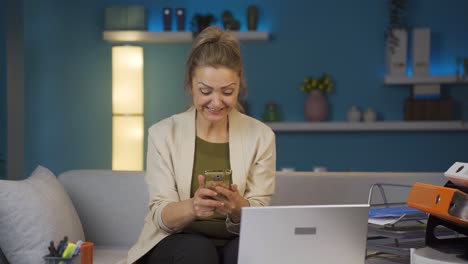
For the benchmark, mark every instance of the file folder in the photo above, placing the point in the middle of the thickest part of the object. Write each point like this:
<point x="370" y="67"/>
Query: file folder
<point x="447" y="203"/>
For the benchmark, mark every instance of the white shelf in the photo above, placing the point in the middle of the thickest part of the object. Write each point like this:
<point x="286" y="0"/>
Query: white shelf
<point x="129" y="36"/>
<point x="368" y="126"/>
<point x="434" y="79"/>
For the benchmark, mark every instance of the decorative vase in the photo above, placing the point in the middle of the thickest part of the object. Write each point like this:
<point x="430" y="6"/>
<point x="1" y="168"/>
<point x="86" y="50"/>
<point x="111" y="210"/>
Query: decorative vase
<point x="370" y="115"/>
<point x="353" y="115"/>
<point x="271" y="113"/>
<point x="167" y="18"/>
<point x="180" y="14"/>
<point x="397" y="49"/>
<point x="252" y="17"/>
<point x="316" y="106"/>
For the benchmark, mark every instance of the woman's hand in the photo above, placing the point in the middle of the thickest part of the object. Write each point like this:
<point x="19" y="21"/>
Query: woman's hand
<point x="205" y="201"/>
<point x="233" y="202"/>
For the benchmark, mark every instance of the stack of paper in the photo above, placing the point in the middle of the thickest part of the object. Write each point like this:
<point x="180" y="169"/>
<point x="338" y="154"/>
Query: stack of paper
<point x="391" y="215"/>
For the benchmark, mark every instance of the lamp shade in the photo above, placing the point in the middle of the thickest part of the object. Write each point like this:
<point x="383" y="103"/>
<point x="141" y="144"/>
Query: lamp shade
<point x="127" y="108"/>
<point x="127" y="80"/>
<point x="127" y="142"/>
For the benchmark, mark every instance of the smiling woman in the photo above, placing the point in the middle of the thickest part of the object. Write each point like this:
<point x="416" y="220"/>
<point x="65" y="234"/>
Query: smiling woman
<point x="213" y="135"/>
<point x="214" y="92"/>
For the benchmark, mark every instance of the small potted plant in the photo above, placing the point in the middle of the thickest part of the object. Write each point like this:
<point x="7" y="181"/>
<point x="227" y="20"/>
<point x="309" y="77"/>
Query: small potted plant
<point x="397" y="20"/>
<point x="397" y="37"/>
<point x="316" y="106"/>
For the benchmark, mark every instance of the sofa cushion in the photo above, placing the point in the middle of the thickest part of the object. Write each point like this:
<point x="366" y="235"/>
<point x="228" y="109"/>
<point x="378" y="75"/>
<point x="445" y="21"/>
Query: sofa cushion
<point x="34" y="212"/>
<point x="112" y="204"/>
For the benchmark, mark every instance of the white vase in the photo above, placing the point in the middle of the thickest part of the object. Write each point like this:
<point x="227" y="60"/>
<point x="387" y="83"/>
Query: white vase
<point x="353" y="115"/>
<point x="370" y="115"/>
<point x="397" y="50"/>
<point x="421" y="51"/>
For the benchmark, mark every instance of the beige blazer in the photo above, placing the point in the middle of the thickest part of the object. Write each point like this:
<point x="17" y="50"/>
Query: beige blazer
<point x="171" y="148"/>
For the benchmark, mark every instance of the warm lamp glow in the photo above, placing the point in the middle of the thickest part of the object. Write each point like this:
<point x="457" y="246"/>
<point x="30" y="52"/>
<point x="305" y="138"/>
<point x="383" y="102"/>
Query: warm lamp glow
<point x="127" y="143"/>
<point x="127" y="108"/>
<point x="127" y="80"/>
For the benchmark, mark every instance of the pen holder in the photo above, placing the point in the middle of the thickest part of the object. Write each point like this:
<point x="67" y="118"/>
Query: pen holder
<point x="58" y="260"/>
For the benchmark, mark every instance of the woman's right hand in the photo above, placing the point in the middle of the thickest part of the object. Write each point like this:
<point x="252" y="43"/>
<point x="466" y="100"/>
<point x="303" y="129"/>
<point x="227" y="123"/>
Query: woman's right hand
<point x="204" y="201"/>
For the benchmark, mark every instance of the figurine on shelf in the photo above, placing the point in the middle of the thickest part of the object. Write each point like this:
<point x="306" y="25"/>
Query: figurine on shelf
<point x="271" y="113"/>
<point x="229" y="22"/>
<point x="200" y="22"/>
<point x="354" y="115"/>
<point x="370" y="115"/>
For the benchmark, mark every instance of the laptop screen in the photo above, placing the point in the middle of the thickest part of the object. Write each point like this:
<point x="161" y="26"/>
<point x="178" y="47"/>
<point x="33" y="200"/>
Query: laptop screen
<point x="332" y="234"/>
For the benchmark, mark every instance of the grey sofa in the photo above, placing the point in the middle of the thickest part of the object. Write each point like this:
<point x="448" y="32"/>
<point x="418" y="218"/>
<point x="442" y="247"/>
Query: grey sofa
<point x="112" y="205"/>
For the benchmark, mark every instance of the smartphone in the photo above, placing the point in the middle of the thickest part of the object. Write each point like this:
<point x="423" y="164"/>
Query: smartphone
<point x="215" y="178"/>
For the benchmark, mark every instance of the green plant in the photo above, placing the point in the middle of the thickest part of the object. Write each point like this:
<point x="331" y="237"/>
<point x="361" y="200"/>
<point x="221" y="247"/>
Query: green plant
<point x="396" y="19"/>
<point x="323" y="83"/>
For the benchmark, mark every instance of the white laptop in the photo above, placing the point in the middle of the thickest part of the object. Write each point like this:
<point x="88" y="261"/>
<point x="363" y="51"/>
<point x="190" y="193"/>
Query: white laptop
<point x="323" y="234"/>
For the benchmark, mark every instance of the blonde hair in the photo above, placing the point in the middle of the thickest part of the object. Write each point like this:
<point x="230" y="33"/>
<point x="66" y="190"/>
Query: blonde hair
<point x="215" y="48"/>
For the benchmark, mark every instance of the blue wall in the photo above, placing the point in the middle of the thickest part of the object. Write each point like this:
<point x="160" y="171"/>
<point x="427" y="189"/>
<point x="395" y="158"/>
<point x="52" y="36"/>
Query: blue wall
<point x="68" y="80"/>
<point x="2" y="86"/>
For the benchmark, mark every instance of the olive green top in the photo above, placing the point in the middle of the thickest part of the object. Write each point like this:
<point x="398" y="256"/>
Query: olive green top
<point x="209" y="156"/>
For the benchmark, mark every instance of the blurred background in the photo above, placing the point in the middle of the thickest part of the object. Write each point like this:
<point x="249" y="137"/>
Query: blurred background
<point x="57" y="67"/>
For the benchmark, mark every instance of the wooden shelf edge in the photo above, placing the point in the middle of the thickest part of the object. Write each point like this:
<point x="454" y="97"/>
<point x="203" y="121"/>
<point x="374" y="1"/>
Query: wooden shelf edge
<point x="434" y="79"/>
<point x="368" y="126"/>
<point x="139" y="36"/>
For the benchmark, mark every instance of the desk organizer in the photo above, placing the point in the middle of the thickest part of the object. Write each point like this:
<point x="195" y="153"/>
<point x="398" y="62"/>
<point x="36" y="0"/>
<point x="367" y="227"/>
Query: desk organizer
<point x="57" y="260"/>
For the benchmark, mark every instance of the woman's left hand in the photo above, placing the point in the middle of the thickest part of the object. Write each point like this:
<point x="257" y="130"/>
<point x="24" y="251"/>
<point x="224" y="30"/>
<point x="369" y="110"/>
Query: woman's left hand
<point x="233" y="202"/>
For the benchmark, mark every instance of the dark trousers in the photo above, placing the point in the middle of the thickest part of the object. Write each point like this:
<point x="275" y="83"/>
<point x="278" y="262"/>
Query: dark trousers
<point x="185" y="248"/>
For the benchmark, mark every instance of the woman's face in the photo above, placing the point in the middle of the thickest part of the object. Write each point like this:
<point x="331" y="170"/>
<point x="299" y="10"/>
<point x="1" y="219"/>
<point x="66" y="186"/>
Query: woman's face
<point x="214" y="92"/>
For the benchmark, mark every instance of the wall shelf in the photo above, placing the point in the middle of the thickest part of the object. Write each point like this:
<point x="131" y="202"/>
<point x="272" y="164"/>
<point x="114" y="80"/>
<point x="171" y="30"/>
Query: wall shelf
<point x="369" y="126"/>
<point x="138" y="36"/>
<point x="434" y="79"/>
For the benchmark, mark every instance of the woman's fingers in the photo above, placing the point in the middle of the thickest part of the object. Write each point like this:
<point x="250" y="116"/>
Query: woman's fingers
<point x="234" y="187"/>
<point x="205" y="202"/>
<point x="225" y="192"/>
<point x="201" y="181"/>
<point x="206" y="193"/>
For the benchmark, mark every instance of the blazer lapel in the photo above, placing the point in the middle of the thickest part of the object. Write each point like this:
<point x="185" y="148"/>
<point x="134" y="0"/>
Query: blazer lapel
<point x="236" y="151"/>
<point x="187" y="148"/>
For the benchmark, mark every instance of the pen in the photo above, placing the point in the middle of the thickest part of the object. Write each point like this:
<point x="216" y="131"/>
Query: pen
<point x="77" y="247"/>
<point x="59" y="248"/>
<point x="62" y="245"/>
<point x="52" y="250"/>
